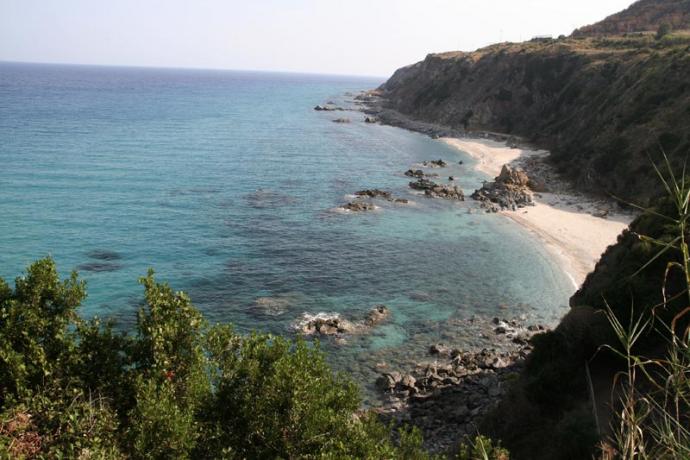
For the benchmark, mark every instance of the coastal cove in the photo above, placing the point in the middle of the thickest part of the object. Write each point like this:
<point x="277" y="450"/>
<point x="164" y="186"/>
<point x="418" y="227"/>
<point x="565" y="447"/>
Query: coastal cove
<point x="98" y="174"/>
<point x="576" y="228"/>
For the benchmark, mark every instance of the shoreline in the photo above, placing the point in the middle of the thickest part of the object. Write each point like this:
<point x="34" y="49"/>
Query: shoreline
<point x="574" y="228"/>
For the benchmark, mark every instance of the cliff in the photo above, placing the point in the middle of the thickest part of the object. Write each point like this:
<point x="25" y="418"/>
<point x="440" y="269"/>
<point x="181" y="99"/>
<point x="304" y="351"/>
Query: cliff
<point x="602" y="106"/>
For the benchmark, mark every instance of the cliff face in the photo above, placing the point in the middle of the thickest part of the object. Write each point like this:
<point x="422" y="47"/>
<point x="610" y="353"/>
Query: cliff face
<point x="602" y="106"/>
<point x="644" y="15"/>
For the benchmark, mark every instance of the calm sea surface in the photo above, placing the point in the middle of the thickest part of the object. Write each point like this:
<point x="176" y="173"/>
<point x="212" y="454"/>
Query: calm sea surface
<point x="226" y="184"/>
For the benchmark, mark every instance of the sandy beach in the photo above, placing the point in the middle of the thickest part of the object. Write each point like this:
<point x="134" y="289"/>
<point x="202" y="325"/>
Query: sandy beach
<point x="569" y="224"/>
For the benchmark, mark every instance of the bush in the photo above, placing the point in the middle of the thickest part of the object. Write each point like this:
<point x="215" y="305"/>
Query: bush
<point x="177" y="388"/>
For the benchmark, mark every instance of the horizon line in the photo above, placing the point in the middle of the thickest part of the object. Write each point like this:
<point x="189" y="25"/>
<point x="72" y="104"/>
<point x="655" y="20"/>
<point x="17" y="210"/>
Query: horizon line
<point x="215" y="69"/>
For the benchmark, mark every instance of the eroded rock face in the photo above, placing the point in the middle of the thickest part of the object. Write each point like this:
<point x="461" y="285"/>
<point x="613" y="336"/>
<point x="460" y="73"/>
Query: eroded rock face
<point x="358" y="206"/>
<point x="509" y="191"/>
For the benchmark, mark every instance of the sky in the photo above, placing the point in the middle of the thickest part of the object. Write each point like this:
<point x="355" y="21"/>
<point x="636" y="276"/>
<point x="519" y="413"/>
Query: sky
<point x="353" y="37"/>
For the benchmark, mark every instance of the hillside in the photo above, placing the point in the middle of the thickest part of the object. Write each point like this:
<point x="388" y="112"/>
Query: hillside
<point x="603" y="106"/>
<point x="644" y="15"/>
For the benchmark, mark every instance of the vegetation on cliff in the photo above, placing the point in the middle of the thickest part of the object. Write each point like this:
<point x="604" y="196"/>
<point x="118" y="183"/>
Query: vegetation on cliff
<point x="601" y="105"/>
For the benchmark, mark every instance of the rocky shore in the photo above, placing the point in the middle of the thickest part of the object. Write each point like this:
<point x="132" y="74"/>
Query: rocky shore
<point x="447" y="396"/>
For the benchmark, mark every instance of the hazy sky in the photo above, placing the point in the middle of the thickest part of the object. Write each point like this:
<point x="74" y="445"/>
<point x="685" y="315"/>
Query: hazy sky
<point x="361" y="37"/>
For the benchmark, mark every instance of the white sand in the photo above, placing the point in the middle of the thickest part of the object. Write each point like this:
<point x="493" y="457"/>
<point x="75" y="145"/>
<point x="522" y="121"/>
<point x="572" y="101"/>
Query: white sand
<point x="564" y="221"/>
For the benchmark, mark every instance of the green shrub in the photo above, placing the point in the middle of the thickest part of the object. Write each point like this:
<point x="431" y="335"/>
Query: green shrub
<point x="176" y="389"/>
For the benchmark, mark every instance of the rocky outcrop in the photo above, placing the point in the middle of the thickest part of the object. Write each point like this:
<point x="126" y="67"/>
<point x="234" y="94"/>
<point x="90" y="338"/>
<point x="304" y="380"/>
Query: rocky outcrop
<point x="324" y="324"/>
<point x="358" y="206"/>
<point x="376" y="315"/>
<point x="434" y="190"/>
<point x="509" y="191"/>
<point x="329" y="324"/>
<point x="435" y="164"/>
<point x="374" y="193"/>
<point x="415" y="173"/>
<point x="448" y="397"/>
<point x="327" y="108"/>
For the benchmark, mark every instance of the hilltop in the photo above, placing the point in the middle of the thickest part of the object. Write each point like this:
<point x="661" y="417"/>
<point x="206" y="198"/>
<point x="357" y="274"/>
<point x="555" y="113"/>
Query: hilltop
<point x="641" y="16"/>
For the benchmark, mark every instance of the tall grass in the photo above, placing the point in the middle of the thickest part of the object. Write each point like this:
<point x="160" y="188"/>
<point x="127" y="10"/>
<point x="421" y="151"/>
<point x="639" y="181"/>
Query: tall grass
<point x="652" y="412"/>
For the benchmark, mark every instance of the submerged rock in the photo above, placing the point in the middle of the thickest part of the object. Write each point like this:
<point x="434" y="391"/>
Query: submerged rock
<point x="341" y="120"/>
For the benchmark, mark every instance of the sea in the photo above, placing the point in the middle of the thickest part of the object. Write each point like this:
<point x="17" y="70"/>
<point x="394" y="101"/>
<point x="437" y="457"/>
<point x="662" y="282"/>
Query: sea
<point x="228" y="184"/>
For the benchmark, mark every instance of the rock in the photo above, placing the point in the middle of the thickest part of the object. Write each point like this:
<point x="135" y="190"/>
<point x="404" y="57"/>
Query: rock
<point x="401" y="200"/>
<point x="374" y="193"/>
<point x="326" y="108"/>
<point x="414" y="173"/>
<point x="358" y="206"/>
<point x="341" y="120"/>
<point x="439" y="349"/>
<point x="432" y="189"/>
<point x="435" y="164"/>
<point x="389" y="380"/>
<point x="324" y="324"/>
<point x="460" y="162"/>
<point x="376" y="315"/>
<point x="451" y="177"/>
<point x="370" y="120"/>
<point x="408" y="381"/>
<point x="509" y="191"/>
<point x="422" y="184"/>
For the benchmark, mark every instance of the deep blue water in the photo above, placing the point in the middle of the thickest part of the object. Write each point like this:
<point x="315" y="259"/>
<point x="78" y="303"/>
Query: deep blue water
<point x="225" y="183"/>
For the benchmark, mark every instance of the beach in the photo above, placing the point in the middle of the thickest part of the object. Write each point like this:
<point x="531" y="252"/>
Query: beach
<point x="575" y="228"/>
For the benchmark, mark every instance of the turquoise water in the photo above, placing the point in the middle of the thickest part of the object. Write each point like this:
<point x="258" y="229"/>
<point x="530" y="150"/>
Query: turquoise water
<point x="226" y="183"/>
